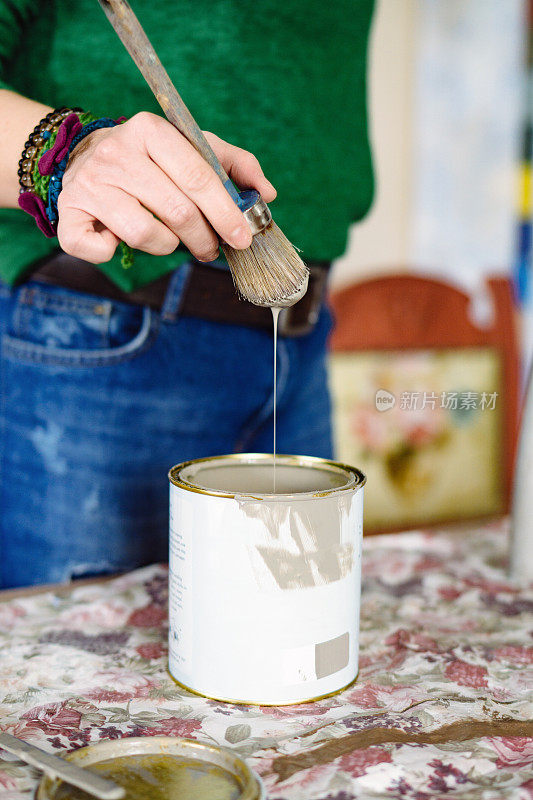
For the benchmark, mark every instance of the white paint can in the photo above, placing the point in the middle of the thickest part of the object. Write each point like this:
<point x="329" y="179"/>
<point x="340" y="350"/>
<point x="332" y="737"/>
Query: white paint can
<point x="265" y="588"/>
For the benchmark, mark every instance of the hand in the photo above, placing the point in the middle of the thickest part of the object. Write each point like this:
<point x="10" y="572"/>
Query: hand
<point x="143" y="183"/>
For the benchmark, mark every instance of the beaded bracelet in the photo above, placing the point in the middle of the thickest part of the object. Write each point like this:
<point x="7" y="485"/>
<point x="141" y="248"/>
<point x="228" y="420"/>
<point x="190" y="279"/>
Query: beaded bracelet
<point x="35" y="143"/>
<point x="45" y="160"/>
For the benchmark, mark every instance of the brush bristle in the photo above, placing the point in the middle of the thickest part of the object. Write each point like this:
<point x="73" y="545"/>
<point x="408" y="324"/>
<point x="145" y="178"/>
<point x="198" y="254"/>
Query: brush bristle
<point x="270" y="271"/>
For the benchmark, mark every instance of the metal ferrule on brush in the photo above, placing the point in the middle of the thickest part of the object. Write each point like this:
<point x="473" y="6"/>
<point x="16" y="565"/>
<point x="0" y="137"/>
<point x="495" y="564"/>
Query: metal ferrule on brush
<point x="269" y="273"/>
<point x="255" y="210"/>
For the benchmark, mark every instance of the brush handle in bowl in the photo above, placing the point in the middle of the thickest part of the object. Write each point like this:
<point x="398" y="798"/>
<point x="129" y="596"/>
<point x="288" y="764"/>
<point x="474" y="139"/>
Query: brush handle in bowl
<point x="56" y="767"/>
<point x="136" y="42"/>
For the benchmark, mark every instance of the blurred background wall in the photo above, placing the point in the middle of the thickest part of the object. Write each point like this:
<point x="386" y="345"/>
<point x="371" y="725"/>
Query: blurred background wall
<point x="446" y="94"/>
<point x="448" y="100"/>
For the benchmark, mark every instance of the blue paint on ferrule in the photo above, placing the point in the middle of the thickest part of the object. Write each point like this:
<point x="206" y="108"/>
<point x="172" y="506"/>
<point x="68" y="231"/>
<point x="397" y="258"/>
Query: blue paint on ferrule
<point x="247" y="199"/>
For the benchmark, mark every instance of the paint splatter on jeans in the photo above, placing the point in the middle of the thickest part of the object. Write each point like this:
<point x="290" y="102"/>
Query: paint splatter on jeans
<point x="100" y="398"/>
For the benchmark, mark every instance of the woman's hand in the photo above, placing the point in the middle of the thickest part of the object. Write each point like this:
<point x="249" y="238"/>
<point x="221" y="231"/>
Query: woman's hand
<point x="143" y="183"/>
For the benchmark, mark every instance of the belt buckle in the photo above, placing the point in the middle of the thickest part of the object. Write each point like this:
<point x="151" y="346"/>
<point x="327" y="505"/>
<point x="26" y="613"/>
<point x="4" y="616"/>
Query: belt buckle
<point x="301" y="318"/>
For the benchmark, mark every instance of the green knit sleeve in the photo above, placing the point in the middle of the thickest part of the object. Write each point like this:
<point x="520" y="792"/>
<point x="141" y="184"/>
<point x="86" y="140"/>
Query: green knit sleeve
<point x="15" y="15"/>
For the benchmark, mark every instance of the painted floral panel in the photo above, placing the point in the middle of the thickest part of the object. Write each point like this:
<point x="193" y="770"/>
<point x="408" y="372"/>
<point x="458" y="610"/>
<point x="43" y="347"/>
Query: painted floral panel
<point x="426" y="429"/>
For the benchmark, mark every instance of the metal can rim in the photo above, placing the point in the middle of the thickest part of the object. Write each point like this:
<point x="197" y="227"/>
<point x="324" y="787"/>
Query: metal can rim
<point x="252" y="458"/>
<point x="107" y="749"/>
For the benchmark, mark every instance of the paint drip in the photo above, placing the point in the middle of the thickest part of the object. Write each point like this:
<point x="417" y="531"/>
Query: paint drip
<point x="275" y="317"/>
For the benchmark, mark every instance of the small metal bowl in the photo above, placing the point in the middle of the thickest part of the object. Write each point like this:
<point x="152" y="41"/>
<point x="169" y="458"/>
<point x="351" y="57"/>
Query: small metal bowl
<point x="161" y="768"/>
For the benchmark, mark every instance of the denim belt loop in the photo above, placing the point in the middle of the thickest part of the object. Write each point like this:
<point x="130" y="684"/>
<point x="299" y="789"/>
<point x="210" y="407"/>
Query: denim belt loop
<point x="175" y="292"/>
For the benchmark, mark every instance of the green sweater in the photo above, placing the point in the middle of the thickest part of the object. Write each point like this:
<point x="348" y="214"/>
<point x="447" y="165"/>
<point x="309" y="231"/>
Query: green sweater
<point x="285" y="80"/>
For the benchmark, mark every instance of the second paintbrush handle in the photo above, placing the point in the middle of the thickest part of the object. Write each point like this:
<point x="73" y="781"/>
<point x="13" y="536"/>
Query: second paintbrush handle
<point x="54" y="766"/>
<point x="136" y="42"/>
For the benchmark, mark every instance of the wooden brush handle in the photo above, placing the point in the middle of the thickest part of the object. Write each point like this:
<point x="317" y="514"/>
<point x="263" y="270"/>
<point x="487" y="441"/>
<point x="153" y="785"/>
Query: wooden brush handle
<point x="136" y="42"/>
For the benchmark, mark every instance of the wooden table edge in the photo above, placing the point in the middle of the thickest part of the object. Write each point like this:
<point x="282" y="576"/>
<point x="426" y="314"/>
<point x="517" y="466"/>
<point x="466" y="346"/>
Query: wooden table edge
<point x="57" y="588"/>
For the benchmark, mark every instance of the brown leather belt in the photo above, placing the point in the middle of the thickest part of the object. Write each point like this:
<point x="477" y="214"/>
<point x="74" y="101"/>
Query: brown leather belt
<point x="209" y="293"/>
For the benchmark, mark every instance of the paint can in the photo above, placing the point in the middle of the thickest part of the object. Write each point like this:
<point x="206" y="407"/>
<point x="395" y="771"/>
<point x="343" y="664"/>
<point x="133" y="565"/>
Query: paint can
<point x="264" y="587"/>
<point x="161" y="768"/>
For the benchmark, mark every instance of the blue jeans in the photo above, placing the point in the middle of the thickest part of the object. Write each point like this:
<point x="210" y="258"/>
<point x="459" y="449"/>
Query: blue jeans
<point x="100" y="398"/>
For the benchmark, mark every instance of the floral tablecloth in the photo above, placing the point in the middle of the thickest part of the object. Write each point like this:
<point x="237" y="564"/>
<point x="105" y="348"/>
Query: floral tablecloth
<point x="443" y="706"/>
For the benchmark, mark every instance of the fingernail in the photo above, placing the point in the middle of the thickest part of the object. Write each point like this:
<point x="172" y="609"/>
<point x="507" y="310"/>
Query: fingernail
<point x="241" y="237"/>
<point x="209" y="258"/>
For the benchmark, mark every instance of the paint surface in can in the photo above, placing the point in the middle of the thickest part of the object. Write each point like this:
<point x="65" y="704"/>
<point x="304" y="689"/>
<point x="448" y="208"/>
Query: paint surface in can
<point x="264" y="588"/>
<point x="162" y="777"/>
<point x="256" y="478"/>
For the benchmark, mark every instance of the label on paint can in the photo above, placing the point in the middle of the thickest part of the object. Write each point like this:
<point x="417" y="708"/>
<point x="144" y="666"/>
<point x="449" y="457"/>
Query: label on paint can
<point x="180" y="592"/>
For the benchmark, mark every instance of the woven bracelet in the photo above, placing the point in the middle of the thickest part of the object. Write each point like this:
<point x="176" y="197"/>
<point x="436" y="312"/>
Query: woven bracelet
<point x="56" y="166"/>
<point x="49" y="165"/>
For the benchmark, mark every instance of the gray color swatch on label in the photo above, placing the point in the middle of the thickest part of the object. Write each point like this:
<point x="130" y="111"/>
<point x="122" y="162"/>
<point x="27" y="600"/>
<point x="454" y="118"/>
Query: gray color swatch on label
<point x="332" y="656"/>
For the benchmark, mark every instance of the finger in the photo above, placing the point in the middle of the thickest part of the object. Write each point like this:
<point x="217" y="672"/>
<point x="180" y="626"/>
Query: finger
<point x="242" y="167"/>
<point x="80" y="235"/>
<point x="131" y="222"/>
<point x="160" y="196"/>
<point x="198" y="181"/>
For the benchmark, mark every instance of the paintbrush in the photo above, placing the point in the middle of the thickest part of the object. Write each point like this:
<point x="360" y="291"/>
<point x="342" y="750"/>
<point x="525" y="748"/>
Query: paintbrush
<point x="269" y="272"/>
<point x="56" y="767"/>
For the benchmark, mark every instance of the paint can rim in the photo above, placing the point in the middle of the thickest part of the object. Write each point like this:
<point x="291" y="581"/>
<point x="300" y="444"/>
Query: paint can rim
<point x="357" y="479"/>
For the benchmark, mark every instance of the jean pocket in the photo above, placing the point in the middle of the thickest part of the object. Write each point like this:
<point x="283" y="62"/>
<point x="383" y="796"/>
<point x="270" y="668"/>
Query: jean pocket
<point x="56" y="326"/>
